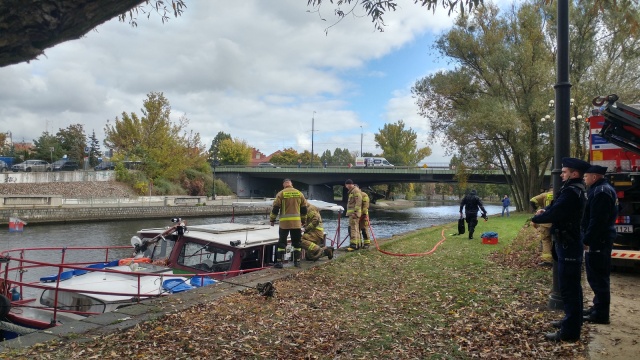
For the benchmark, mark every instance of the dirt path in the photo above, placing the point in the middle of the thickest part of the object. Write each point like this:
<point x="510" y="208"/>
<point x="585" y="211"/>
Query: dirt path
<point x="621" y="339"/>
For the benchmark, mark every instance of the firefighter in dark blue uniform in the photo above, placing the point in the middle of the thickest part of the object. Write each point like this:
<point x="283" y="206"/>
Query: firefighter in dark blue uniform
<point x="599" y="233"/>
<point x="565" y="216"/>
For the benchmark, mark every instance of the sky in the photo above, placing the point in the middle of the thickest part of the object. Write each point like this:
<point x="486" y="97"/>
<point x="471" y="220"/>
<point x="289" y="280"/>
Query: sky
<point x="272" y="73"/>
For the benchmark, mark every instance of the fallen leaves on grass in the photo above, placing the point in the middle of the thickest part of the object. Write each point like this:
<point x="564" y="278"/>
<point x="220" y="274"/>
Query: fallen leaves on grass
<point x="362" y="306"/>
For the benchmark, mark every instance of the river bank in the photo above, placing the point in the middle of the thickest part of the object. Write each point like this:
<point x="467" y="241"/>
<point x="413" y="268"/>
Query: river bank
<point x="458" y="301"/>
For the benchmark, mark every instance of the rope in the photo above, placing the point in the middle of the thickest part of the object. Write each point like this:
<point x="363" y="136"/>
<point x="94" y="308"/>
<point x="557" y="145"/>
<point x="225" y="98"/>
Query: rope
<point x="414" y="254"/>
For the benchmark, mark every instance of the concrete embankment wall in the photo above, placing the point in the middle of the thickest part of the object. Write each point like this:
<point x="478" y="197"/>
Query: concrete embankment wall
<point x="57" y="215"/>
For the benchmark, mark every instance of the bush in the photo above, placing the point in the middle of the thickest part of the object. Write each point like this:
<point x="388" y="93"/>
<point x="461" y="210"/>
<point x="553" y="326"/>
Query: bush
<point x="192" y="182"/>
<point x="165" y="187"/>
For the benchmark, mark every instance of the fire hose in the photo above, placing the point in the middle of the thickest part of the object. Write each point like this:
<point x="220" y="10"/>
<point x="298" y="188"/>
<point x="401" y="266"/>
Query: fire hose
<point x="413" y="254"/>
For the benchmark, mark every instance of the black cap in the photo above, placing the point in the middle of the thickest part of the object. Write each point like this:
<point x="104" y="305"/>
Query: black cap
<point x="577" y="164"/>
<point x="597" y="169"/>
<point x="348" y="181"/>
<point x="285" y="180"/>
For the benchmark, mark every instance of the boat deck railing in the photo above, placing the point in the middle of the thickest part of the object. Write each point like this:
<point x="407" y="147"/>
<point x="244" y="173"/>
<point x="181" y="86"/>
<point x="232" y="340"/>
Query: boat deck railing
<point x="22" y="273"/>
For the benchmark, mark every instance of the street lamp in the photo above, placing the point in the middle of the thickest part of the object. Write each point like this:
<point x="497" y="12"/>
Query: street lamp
<point x="313" y="118"/>
<point x="361" y="136"/>
<point x="215" y="163"/>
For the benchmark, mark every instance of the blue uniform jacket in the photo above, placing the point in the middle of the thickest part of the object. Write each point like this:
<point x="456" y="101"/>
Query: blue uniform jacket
<point x="600" y="214"/>
<point x="565" y="213"/>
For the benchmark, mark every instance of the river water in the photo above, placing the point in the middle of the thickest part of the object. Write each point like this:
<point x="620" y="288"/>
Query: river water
<point x="385" y="223"/>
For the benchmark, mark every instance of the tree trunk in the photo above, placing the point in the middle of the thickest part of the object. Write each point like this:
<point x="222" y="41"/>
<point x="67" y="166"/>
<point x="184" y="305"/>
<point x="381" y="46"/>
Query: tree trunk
<point x="28" y="27"/>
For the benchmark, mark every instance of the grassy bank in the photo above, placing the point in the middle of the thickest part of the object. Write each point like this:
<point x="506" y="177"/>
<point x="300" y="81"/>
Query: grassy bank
<point x="464" y="300"/>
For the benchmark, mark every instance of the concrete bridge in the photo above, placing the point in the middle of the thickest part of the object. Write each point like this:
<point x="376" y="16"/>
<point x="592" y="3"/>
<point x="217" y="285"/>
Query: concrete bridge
<point x="319" y="182"/>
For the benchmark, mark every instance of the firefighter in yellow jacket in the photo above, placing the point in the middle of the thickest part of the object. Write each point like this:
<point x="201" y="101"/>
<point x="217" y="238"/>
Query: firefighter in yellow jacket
<point x="292" y="207"/>
<point x="540" y="202"/>
<point x="364" y="221"/>
<point x="354" y="211"/>
<point x="313" y="237"/>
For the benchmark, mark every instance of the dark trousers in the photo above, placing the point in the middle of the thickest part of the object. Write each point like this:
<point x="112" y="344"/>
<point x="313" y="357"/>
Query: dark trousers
<point x="472" y="221"/>
<point x="569" y="277"/>
<point x="598" y="268"/>
<point x="296" y="236"/>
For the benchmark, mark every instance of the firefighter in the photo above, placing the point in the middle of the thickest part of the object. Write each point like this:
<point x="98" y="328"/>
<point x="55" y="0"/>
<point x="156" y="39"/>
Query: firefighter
<point x="292" y="207"/>
<point x="598" y="224"/>
<point x="565" y="215"/>
<point x="540" y="202"/>
<point x="354" y="212"/>
<point x="364" y="220"/>
<point x="313" y="237"/>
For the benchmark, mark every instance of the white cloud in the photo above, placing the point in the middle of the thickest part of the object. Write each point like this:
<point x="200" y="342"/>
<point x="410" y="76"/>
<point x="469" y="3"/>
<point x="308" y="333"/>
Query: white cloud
<point x="255" y="69"/>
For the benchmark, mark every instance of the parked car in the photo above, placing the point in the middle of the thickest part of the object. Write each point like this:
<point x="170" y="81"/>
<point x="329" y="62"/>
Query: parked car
<point x="105" y="165"/>
<point x="3" y="166"/>
<point x="65" y="165"/>
<point x="32" y="165"/>
<point x="266" y="164"/>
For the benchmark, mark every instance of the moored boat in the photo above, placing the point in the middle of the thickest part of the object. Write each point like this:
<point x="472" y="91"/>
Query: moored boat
<point x="85" y="281"/>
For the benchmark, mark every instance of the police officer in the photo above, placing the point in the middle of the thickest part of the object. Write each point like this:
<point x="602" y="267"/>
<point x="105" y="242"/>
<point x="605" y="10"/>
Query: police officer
<point x="471" y="203"/>
<point x="565" y="215"/>
<point x="540" y="202"/>
<point x="354" y="212"/>
<point x="599" y="233"/>
<point x="364" y="220"/>
<point x="313" y="237"/>
<point x="292" y="206"/>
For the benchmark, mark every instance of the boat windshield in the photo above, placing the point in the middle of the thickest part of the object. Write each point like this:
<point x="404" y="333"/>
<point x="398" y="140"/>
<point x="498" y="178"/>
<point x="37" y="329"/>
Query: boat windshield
<point x="160" y="250"/>
<point x="72" y="301"/>
<point x="205" y="257"/>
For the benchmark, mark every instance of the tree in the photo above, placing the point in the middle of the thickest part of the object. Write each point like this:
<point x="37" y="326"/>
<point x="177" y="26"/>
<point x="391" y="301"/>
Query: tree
<point x="489" y="107"/>
<point x="287" y="156"/>
<point x="377" y="8"/>
<point x="153" y="139"/>
<point x="234" y="152"/>
<point x="43" y="145"/>
<point x="400" y="146"/>
<point x="73" y="141"/>
<point x="94" y="150"/>
<point x="604" y="58"/>
<point x="327" y="158"/>
<point x="30" y="27"/>
<point x="215" y="144"/>
<point x="342" y="157"/>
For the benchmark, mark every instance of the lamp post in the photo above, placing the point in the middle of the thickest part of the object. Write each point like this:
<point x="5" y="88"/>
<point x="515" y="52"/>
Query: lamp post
<point x="312" y="130"/>
<point x="361" y="137"/>
<point x="562" y="107"/>
<point x="214" y="163"/>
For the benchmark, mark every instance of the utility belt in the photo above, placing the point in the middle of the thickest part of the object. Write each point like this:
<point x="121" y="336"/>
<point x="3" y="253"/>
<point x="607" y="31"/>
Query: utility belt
<point x="563" y="237"/>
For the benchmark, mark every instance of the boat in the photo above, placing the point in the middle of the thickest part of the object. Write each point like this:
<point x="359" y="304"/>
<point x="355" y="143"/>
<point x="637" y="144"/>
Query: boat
<point x="164" y="261"/>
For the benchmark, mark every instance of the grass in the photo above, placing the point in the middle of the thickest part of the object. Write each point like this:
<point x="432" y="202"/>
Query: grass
<point x="465" y="300"/>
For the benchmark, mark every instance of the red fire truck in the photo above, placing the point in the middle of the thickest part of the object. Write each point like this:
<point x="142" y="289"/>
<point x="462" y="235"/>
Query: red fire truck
<point x="615" y="143"/>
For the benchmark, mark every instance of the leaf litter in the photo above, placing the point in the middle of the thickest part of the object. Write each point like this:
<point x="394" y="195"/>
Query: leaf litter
<point x="360" y="306"/>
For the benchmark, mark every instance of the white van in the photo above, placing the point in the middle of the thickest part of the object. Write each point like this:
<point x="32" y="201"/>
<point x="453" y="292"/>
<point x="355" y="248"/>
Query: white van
<point x="372" y="161"/>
